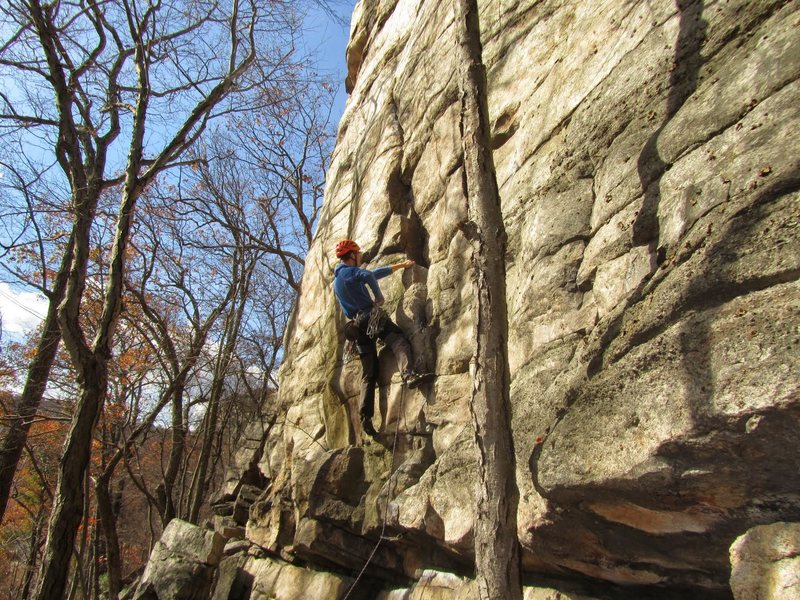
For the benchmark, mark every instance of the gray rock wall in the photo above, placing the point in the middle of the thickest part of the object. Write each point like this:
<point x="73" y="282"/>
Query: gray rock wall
<point x="182" y="564"/>
<point x="648" y="165"/>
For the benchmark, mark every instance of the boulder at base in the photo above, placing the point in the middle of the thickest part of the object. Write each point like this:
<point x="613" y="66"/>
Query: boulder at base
<point x="765" y="563"/>
<point x="182" y="563"/>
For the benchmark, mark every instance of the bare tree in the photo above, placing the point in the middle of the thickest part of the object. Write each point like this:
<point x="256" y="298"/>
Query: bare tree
<point x="173" y="306"/>
<point x="211" y="243"/>
<point x="496" y="545"/>
<point x="103" y="98"/>
<point x="184" y="285"/>
<point x="222" y="366"/>
<point x="31" y="266"/>
<point x="38" y="374"/>
<point x="263" y="178"/>
<point x="107" y="69"/>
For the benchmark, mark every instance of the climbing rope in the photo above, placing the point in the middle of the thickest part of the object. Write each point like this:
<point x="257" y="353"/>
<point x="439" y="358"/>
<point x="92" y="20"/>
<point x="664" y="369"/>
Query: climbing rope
<point x="388" y="493"/>
<point x="377" y="317"/>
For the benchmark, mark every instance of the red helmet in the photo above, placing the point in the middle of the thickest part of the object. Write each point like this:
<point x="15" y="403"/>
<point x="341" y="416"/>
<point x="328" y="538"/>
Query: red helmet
<point x="345" y="246"/>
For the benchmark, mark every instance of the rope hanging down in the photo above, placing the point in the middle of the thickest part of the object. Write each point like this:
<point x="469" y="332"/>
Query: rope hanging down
<point x="388" y="489"/>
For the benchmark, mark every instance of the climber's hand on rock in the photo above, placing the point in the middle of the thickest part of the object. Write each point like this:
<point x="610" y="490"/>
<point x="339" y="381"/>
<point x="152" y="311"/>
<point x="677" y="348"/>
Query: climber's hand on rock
<point x="403" y="265"/>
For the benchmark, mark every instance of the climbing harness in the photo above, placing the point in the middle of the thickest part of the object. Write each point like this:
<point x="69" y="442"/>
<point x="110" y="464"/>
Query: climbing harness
<point x="388" y="496"/>
<point x="376" y="319"/>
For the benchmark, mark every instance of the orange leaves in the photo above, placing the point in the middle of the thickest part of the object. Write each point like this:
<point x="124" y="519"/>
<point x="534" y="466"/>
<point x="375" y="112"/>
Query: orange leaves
<point x="33" y="483"/>
<point x="129" y="358"/>
<point x="116" y="412"/>
<point x="50" y="429"/>
<point x="7" y="373"/>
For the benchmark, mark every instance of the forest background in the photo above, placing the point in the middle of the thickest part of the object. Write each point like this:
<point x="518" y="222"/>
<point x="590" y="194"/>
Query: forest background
<point x="162" y="168"/>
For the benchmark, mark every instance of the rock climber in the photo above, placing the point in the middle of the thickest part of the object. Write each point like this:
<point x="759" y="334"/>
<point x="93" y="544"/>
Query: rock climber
<point x="367" y="321"/>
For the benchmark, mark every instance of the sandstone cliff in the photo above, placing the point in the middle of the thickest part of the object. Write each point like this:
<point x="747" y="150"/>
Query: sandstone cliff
<point x="648" y="167"/>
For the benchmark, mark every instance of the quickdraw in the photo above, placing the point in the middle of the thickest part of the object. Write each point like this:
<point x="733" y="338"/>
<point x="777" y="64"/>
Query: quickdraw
<point x="350" y="352"/>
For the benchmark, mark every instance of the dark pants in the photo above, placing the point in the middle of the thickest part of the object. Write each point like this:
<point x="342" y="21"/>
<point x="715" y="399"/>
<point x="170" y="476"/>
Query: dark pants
<point x="392" y="335"/>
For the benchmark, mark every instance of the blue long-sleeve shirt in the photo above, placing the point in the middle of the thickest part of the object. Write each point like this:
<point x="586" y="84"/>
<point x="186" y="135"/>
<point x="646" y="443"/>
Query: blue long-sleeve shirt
<point x="350" y="286"/>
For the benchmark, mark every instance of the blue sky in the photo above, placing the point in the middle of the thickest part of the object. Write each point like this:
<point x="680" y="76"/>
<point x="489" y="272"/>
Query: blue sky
<point x="327" y="40"/>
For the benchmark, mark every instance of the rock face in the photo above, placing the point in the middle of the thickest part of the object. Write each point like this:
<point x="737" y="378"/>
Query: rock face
<point x="765" y="563"/>
<point x="182" y="564"/>
<point x="647" y="161"/>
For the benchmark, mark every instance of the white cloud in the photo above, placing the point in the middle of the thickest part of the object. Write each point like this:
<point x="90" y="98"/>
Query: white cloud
<point x="21" y="311"/>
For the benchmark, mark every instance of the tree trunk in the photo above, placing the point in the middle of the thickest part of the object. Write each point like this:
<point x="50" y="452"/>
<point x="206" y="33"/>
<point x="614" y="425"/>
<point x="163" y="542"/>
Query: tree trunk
<point x="107" y="512"/>
<point x="108" y="522"/>
<point x="78" y="572"/>
<point x="200" y="475"/>
<point x="97" y="554"/>
<point x="233" y="326"/>
<point x="69" y="497"/>
<point x="25" y="409"/>
<point x="165" y="491"/>
<point x="496" y="545"/>
<point x="35" y="384"/>
<point x="33" y="550"/>
<point x="91" y="364"/>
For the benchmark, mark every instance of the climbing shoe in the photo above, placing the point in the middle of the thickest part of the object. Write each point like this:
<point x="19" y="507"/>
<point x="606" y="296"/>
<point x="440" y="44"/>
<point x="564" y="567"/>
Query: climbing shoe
<point x="366" y="427"/>
<point x="418" y="379"/>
